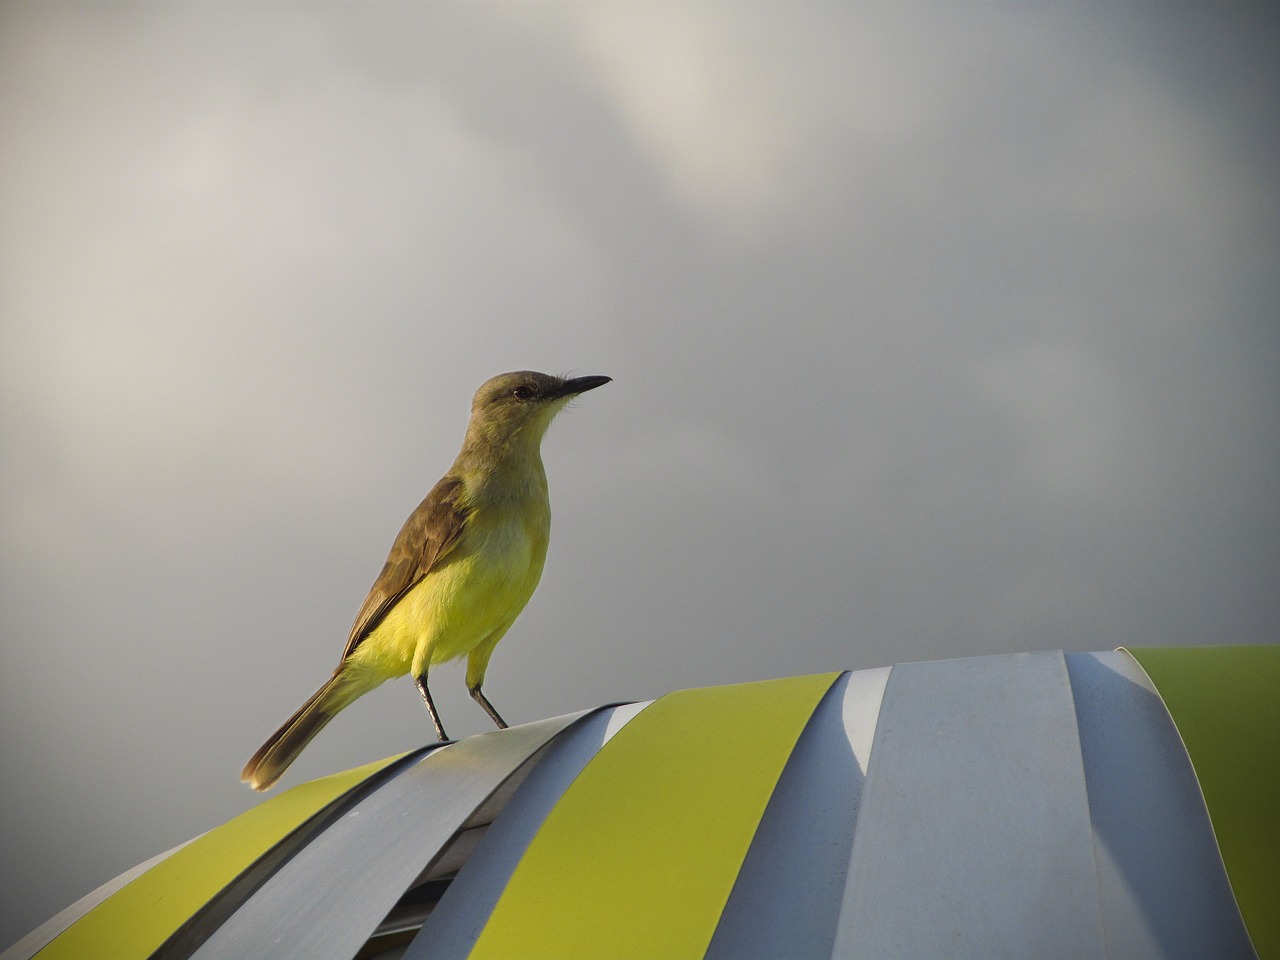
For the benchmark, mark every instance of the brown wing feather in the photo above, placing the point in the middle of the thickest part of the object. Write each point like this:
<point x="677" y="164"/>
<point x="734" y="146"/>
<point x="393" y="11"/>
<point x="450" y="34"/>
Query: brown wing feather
<point x="429" y="533"/>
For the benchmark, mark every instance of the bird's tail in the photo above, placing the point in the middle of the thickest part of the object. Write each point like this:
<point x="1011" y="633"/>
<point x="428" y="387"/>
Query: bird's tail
<point x="272" y="759"/>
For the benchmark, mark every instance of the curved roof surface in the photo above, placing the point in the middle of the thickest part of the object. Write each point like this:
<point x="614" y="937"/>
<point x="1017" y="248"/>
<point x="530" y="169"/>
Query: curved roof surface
<point x="1116" y="804"/>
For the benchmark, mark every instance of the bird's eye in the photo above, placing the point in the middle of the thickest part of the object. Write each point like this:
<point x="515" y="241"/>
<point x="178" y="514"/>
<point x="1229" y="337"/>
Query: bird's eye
<point x="523" y="392"/>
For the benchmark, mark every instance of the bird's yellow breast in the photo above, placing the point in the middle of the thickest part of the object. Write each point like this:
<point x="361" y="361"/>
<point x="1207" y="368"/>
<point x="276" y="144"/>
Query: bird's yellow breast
<point x="476" y="591"/>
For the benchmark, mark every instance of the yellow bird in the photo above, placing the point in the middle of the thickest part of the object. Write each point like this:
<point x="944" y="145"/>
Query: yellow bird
<point x="462" y="568"/>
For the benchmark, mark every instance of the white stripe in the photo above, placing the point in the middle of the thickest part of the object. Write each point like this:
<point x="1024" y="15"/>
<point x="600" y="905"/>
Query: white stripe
<point x="1162" y="888"/>
<point x="324" y="903"/>
<point x="453" y="927"/>
<point x="973" y="835"/>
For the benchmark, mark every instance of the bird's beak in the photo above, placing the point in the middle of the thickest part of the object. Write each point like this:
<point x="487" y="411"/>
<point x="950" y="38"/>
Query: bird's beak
<point x="580" y="385"/>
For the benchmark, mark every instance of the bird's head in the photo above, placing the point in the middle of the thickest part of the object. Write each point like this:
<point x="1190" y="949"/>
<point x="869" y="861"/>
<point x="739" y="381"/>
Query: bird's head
<point x="519" y="406"/>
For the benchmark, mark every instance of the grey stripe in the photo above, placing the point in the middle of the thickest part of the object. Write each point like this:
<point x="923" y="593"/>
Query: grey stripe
<point x="787" y="898"/>
<point x="1161" y="884"/>
<point x="973" y="835"/>
<point x="327" y="900"/>
<point x="453" y="927"/>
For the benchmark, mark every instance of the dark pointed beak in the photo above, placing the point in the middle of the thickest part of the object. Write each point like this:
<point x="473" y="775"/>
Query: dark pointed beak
<point x="581" y="385"/>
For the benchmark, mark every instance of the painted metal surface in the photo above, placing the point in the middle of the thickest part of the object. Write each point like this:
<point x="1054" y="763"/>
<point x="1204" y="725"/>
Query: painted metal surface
<point x="1026" y="805"/>
<point x="1162" y="889"/>
<point x="136" y="920"/>
<point x="451" y="930"/>
<point x="787" y="898"/>
<point x="330" y="897"/>
<point x="32" y="943"/>
<point x="1225" y="702"/>
<point x="643" y="848"/>
<point x="973" y="836"/>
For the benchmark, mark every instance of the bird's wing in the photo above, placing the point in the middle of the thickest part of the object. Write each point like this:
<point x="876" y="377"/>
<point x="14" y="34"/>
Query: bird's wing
<point x="427" y="536"/>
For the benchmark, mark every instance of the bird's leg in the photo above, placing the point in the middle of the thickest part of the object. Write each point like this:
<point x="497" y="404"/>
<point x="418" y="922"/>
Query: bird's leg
<point x="431" y="707"/>
<point x="481" y="699"/>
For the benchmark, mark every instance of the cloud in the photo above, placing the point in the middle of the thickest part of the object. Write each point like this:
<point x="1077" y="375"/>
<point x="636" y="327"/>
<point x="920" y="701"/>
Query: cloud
<point x="933" y="333"/>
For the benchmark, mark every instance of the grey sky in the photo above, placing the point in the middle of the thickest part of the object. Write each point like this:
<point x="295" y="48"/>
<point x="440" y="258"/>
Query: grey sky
<point x="936" y="331"/>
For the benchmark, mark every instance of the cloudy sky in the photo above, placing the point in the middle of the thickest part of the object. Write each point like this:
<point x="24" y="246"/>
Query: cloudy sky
<point x="936" y="331"/>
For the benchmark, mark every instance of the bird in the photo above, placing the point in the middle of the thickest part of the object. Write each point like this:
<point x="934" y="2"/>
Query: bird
<point x="458" y="574"/>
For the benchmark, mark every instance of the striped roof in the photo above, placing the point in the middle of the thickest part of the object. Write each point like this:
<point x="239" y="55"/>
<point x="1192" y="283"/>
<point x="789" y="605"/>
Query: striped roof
<point x="1120" y="804"/>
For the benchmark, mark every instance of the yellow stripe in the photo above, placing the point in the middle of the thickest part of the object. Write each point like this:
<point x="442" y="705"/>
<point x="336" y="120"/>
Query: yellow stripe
<point x="1225" y="702"/>
<point x="639" y="856"/>
<point x="134" y="921"/>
